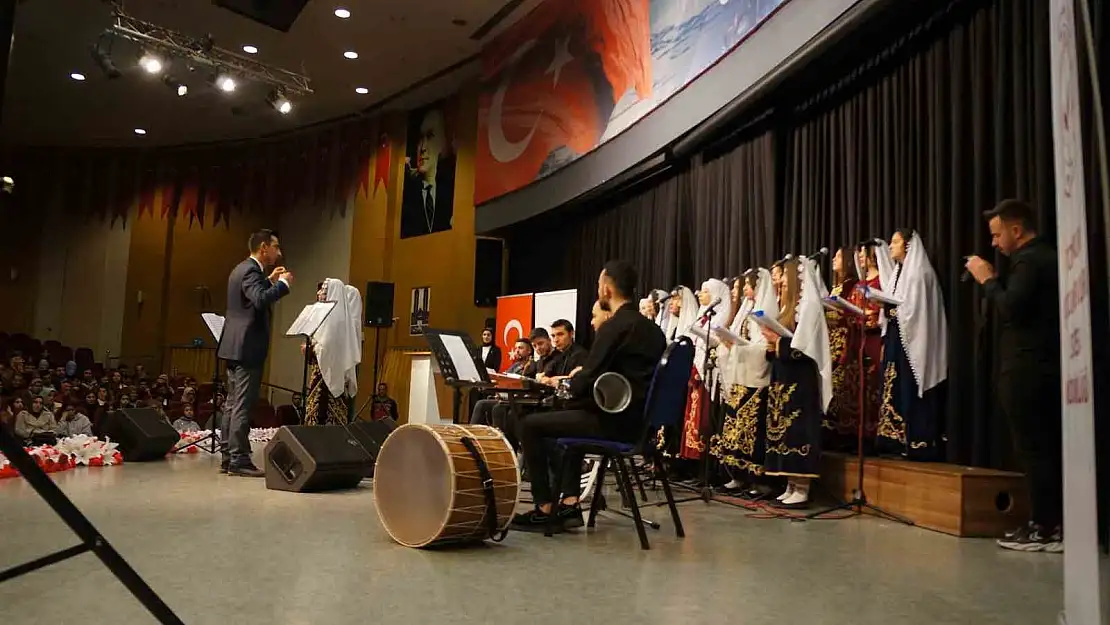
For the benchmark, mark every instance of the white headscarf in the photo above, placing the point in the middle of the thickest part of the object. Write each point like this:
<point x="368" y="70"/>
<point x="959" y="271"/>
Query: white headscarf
<point x="337" y="343"/>
<point x="686" y="317"/>
<point x="921" y="317"/>
<point x="747" y="365"/>
<point x="719" y="291"/>
<point x="354" y="311"/>
<point x="887" y="270"/>
<point x="765" y="300"/>
<point x="745" y="307"/>
<point x="662" y="316"/>
<point x="811" y="336"/>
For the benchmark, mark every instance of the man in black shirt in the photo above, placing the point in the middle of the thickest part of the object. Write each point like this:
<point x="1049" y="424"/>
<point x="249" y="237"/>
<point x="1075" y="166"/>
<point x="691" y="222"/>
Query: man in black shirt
<point x="570" y="354"/>
<point x="628" y="344"/>
<point x="1026" y="303"/>
<point x="541" y="343"/>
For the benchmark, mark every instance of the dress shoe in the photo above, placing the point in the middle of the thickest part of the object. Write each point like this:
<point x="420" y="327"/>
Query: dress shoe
<point x="246" y="471"/>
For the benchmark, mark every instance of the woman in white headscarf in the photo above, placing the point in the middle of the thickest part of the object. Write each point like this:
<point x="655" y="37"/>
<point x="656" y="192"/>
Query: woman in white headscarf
<point x="801" y="385"/>
<point x="715" y="301"/>
<point x="915" y="354"/>
<point x="336" y="350"/>
<point x="745" y="374"/>
<point x="662" y="313"/>
<point x="683" y="308"/>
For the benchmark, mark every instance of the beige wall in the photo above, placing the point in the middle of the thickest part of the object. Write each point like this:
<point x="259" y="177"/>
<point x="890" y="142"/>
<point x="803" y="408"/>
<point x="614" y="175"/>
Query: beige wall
<point x="316" y="245"/>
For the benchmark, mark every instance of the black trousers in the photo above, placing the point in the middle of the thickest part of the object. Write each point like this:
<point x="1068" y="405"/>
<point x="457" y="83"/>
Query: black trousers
<point x="537" y="437"/>
<point x="1031" y="403"/>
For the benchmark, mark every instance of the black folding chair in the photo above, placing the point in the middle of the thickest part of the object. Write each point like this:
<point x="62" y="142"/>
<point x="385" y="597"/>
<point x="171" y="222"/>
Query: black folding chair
<point x="663" y="410"/>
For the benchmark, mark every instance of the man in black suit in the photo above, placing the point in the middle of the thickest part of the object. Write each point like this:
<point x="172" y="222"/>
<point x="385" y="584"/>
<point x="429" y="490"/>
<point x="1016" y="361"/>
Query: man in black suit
<point x="428" y="197"/>
<point x="245" y="342"/>
<point x="629" y="344"/>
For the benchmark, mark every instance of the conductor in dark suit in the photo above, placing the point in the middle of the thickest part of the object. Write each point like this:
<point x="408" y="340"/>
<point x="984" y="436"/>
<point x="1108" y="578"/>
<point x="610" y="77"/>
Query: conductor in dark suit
<point x="253" y="287"/>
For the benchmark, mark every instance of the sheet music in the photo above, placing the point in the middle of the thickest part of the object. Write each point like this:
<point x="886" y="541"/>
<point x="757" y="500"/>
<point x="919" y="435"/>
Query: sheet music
<point x="772" y="324"/>
<point x="460" y="357"/>
<point x="725" y="334"/>
<point x="881" y="297"/>
<point x="703" y="336"/>
<point x="840" y="304"/>
<point x="310" y="319"/>
<point x="215" y="324"/>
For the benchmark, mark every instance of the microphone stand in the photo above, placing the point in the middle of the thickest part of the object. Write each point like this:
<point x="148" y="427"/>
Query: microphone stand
<point x="856" y="505"/>
<point x="706" y="492"/>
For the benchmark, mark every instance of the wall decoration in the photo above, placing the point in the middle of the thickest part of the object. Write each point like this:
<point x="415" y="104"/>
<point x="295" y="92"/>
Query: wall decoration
<point x="428" y="196"/>
<point x="572" y="74"/>
<point x="419" y="306"/>
<point x="514" y="322"/>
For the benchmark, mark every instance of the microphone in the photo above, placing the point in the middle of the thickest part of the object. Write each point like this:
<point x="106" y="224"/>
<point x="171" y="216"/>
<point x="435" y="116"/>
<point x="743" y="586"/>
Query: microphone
<point x="824" y="251"/>
<point x="663" y="299"/>
<point x="712" y="307"/>
<point x="966" y="275"/>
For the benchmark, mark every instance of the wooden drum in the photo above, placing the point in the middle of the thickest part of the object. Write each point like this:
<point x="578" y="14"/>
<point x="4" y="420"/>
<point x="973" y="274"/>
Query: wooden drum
<point x="427" y="487"/>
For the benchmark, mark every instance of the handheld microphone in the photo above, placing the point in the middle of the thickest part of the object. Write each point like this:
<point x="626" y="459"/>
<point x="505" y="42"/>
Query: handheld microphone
<point x="966" y="275"/>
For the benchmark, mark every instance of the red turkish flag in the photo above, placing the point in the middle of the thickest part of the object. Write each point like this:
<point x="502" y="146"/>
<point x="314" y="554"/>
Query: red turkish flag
<point x="514" y="322"/>
<point x="552" y="81"/>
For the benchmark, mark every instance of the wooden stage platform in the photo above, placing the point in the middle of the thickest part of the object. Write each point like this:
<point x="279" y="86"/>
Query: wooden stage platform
<point x="949" y="498"/>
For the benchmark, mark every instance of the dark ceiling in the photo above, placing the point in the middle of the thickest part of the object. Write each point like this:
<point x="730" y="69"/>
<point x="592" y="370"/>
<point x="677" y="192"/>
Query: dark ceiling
<point x="398" y="43"/>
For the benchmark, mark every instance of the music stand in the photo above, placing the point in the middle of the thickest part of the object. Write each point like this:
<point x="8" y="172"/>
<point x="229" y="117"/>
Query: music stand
<point x="305" y="325"/>
<point x="855" y="506"/>
<point x="459" y="362"/>
<point x="215" y="324"/>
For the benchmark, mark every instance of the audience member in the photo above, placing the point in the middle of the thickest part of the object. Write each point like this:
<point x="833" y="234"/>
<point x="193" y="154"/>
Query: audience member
<point x="186" y="422"/>
<point x="73" y="421"/>
<point x="36" y="421"/>
<point x="383" y="405"/>
<point x="9" y="412"/>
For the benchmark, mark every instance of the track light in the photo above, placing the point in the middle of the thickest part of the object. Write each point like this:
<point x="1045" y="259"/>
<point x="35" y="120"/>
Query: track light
<point x="224" y="82"/>
<point x="151" y="63"/>
<point x="179" y="87"/>
<point x="103" y="58"/>
<point x="280" y="103"/>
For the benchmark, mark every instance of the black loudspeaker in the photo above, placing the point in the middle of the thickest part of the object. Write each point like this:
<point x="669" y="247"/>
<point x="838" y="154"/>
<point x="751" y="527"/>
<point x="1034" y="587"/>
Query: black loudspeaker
<point x="371" y="435"/>
<point x="142" y="433"/>
<point x="487" y="271"/>
<point x="309" y="458"/>
<point x="379" y="304"/>
<point x="278" y="14"/>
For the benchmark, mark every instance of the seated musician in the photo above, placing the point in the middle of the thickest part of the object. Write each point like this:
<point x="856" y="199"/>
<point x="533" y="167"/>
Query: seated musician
<point x="570" y="355"/>
<point x="546" y="355"/>
<point x="521" y="358"/>
<point x="628" y="344"/>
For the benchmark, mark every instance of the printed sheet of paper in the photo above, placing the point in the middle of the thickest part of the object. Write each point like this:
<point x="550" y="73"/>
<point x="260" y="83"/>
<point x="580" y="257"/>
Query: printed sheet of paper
<point x="215" y="324"/>
<point x="840" y="304"/>
<point x="882" y="297"/>
<point x="771" y="324"/>
<point x="310" y="319"/>
<point x="460" y="357"/>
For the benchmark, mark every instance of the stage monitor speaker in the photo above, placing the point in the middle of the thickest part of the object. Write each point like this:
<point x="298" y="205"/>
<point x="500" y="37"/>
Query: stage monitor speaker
<point x="142" y="433"/>
<point x="277" y="14"/>
<point x="311" y="458"/>
<point x="488" y="259"/>
<point x="379" y="304"/>
<point x="372" y="434"/>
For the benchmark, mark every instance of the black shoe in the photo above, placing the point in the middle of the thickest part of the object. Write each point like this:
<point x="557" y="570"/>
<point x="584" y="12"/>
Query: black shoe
<point x="570" y="516"/>
<point x="1017" y="530"/>
<point x="536" y="521"/>
<point x="1030" y="539"/>
<point x="248" y="470"/>
<point x="223" y="467"/>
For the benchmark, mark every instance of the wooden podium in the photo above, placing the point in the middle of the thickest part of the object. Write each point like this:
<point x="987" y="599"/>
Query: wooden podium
<point x="424" y="404"/>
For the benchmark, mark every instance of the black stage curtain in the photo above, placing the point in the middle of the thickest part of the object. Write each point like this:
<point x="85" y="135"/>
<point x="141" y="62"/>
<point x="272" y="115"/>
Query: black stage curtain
<point x="925" y="129"/>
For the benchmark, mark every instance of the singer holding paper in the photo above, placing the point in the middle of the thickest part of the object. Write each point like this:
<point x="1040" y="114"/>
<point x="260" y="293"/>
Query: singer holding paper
<point x="1025" y="302"/>
<point x="745" y="374"/>
<point x="716" y="301"/>
<point x="843" y="414"/>
<point x="915" y="354"/>
<point x="245" y="342"/>
<point x="336" y="349"/>
<point x="801" y="384"/>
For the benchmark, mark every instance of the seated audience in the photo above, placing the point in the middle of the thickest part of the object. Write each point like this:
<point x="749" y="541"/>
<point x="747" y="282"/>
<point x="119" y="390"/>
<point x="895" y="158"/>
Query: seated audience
<point x="35" y="422"/>
<point x="628" y="344"/>
<point x="383" y="405"/>
<point x="9" y="412"/>
<point x="73" y="421"/>
<point x="186" y="422"/>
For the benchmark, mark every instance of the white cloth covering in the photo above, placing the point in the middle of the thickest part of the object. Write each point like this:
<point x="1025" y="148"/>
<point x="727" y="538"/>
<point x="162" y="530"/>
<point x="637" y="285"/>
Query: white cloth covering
<point x="921" y="317"/>
<point x="337" y="344"/>
<point x="747" y="365"/>
<point x="680" y="324"/>
<point x="811" y="336"/>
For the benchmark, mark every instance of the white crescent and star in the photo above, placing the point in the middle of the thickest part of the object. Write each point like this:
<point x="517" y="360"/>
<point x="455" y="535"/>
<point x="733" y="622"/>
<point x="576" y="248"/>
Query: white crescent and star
<point x="500" y="147"/>
<point x="513" y="323"/>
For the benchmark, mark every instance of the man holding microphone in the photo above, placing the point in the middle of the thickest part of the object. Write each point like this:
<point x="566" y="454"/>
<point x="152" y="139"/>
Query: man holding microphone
<point x="1026" y="303"/>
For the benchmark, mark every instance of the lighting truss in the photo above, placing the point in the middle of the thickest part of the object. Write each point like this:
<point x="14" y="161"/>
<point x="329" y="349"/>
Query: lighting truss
<point x="203" y="52"/>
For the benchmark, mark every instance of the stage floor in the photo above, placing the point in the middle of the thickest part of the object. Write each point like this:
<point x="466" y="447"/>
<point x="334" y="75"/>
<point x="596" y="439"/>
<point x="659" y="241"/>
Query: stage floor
<point x="226" y="550"/>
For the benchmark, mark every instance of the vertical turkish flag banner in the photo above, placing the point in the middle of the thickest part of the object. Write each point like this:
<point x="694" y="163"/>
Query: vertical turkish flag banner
<point x="514" y="321"/>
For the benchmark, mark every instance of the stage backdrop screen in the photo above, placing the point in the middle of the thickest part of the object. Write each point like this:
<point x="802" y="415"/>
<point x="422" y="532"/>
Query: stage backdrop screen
<point x="555" y="305"/>
<point x="572" y="74"/>
<point x="514" y="321"/>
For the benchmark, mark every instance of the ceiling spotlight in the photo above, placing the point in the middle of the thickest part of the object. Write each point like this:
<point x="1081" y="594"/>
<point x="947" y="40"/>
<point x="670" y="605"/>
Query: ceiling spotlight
<point x="342" y="13"/>
<point x="249" y="49"/>
<point x="362" y="90"/>
<point x="140" y="131"/>
<point x="280" y="103"/>
<point x="179" y="87"/>
<point x="224" y="83"/>
<point x="151" y="63"/>
<point x="351" y="54"/>
<point x="78" y="76"/>
<point x="103" y="58"/>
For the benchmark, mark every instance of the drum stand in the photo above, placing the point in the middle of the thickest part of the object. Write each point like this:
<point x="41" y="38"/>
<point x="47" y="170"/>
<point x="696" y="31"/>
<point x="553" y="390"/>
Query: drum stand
<point x="91" y="539"/>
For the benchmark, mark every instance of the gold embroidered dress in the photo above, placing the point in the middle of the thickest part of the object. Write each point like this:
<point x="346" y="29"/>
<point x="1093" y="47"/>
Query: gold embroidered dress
<point x="793" y="414"/>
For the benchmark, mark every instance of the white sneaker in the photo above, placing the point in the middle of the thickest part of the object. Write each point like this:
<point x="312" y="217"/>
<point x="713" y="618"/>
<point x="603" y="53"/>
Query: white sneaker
<point x="786" y="493"/>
